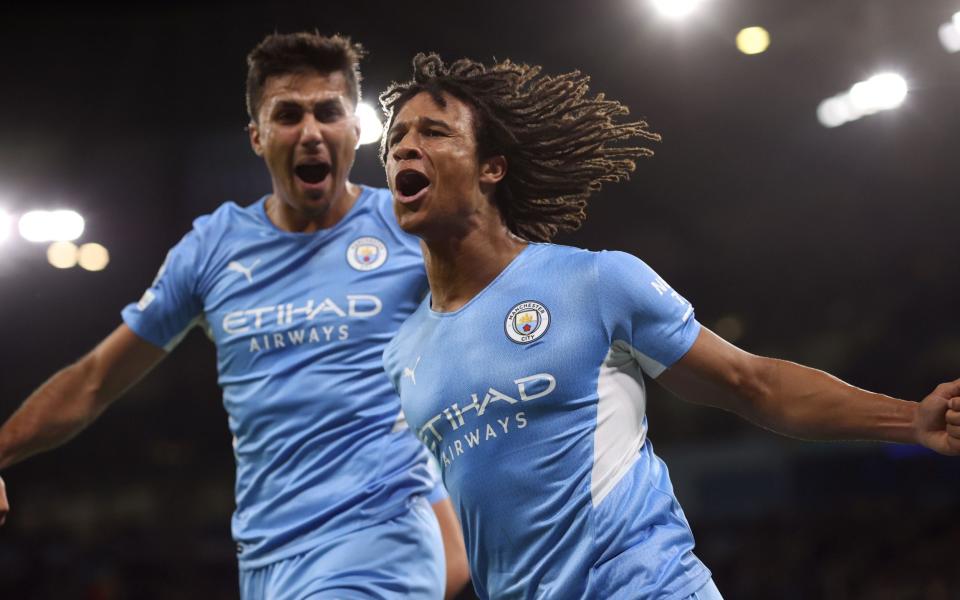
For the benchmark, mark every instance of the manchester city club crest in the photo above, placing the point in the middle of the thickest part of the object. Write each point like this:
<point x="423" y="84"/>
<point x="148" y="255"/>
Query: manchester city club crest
<point x="527" y="321"/>
<point x="366" y="254"/>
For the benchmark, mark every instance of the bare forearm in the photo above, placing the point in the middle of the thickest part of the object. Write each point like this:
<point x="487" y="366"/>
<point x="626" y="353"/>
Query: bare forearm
<point x="806" y="403"/>
<point x="54" y="413"/>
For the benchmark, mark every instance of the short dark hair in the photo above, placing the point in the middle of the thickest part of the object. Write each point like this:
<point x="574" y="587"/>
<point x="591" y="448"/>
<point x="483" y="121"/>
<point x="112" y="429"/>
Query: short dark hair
<point x="558" y="141"/>
<point x="283" y="53"/>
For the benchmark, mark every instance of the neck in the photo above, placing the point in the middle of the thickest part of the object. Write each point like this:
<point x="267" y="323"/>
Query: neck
<point x="288" y="218"/>
<point x="460" y="268"/>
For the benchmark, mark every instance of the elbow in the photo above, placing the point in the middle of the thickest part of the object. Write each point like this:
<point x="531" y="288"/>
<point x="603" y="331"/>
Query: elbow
<point x="89" y="381"/>
<point x="752" y="381"/>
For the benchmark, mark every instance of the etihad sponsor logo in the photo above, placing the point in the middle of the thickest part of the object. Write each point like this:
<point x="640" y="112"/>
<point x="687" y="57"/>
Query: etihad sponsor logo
<point x="357" y="306"/>
<point x="456" y="416"/>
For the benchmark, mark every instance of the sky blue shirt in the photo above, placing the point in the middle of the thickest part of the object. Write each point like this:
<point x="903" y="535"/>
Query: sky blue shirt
<point x="532" y="399"/>
<point x="300" y="322"/>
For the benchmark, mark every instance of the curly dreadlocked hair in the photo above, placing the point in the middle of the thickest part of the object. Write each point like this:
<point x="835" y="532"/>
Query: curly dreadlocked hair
<point x="557" y="141"/>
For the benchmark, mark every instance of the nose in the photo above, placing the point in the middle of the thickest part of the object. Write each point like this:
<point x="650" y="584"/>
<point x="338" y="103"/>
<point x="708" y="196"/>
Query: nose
<point x="405" y="150"/>
<point x="311" y="135"/>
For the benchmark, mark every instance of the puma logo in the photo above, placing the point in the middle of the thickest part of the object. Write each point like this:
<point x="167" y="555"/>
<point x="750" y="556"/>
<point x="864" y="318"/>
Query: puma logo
<point x="245" y="271"/>
<point x="412" y="373"/>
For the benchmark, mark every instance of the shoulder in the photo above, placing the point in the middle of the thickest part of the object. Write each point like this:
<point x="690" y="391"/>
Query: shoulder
<point x="568" y="261"/>
<point x="228" y="216"/>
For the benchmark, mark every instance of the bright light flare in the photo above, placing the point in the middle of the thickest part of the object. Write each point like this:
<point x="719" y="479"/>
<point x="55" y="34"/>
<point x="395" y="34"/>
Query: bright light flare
<point x="949" y="34"/>
<point x="753" y="40"/>
<point x="676" y="9"/>
<point x="5" y="221"/>
<point x="884" y="91"/>
<point x="93" y="257"/>
<point x="62" y="255"/>
<point x="51" y="226"/>
<point x="835" y="111"/>
<point x="370" y="126"/>
<point x="881" y="92"/>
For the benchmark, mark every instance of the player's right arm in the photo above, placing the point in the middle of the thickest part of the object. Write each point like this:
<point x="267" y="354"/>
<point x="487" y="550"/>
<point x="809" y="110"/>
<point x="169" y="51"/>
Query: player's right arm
<point x="75" y="396"/>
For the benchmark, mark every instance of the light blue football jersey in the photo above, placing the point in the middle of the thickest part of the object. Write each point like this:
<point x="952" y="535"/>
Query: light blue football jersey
<point x="300" y="322"/>
<point x="531" y="397"/>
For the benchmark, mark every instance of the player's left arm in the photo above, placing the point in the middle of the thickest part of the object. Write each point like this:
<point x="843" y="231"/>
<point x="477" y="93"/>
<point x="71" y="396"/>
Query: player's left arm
<point x="805" y="403"/>
<point x="458" y="572"/>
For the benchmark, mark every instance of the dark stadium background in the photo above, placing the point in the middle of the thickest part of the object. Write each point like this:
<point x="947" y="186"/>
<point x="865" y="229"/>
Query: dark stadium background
<point x="837" y="248"/>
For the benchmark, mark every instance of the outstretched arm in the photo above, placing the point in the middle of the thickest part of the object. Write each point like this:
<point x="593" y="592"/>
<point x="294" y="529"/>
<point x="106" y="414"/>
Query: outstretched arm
<point x="458" y="572"/>
<point x="75" y="396"/>
<point x="806" y="403"/>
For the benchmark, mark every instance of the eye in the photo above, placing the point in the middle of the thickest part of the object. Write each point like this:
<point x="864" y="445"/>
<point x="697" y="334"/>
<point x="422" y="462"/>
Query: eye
<point x="288" y="115"/>
<point x="394" y="138"/>
<point x="328" y="113"/>
<point x="433" y="133"/>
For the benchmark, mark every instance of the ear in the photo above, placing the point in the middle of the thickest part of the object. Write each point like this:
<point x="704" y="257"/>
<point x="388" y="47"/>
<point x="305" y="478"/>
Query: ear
<point x="493" y="169"/>
<point x="356" y="124"/>
<point x="254" y="132"/>
<point x="356" y="130"/>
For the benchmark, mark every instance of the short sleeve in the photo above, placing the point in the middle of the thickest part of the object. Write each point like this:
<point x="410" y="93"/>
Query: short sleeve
<point x="171" y="306"/>
<point x="641" y="311"/>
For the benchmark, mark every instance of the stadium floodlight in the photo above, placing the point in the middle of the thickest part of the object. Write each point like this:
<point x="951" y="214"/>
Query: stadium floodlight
<point x="51" y="226"/>
<point x="370" y="126"/>
<point x="880" y="92"/>
<point x="835" y="111"/>
<point x="676" y="9"/>
<point x="62" y="255"/>
<point x="5" y="221"/>
<point x="753" y="40"/>
<point x="93" y="257"/>
<point x="883" y="91"/>
<point x="949" y="34"/>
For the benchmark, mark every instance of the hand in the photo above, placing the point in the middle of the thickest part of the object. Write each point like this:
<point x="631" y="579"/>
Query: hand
<point x="4" y="505"/>
<point x="938" y="420"/>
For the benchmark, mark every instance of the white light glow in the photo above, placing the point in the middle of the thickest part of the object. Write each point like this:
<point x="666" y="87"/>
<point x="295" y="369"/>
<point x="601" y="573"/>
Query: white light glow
<point x="62" y="255"/>
<point x="884" y="91"/>
<point x="880" y="92"/>
<point x="949" y="34"/>
<point x="835" y="111"/>
<point x="676" y="9"/>
<point x="956" y="19"/>
<point x="51" y="226"/>
<point x="93" y="257"/>
<point x="370" y="126"/>
<point x="5" y="221"/>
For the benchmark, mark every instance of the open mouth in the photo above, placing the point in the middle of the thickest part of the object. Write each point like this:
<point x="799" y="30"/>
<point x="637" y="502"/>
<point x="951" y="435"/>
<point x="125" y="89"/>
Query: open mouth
<point x="410" y="183"/>
<point x="312" y="173"/>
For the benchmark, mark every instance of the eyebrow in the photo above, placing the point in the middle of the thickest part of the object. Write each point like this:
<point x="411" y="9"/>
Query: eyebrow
<point x="290" y="102"/>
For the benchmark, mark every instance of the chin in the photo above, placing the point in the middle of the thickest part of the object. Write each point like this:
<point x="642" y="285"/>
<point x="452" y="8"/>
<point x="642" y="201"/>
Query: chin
<point x="410" y="222"/>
